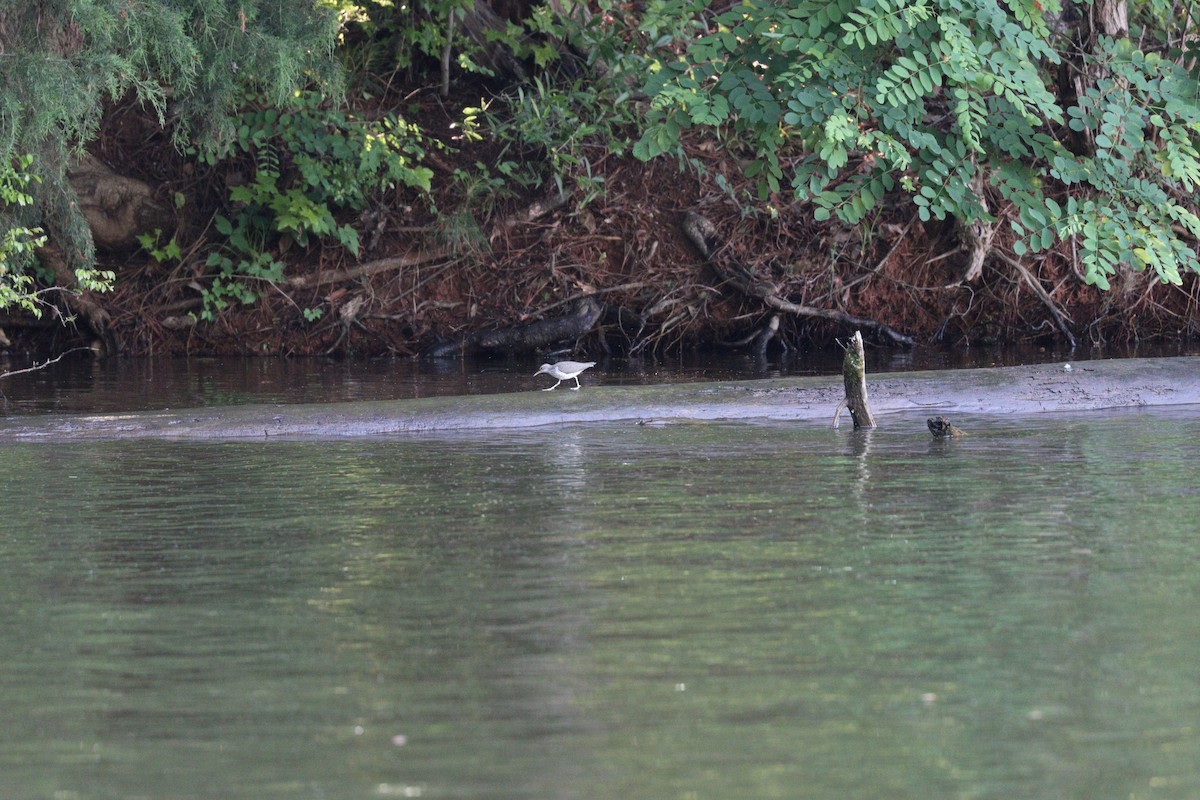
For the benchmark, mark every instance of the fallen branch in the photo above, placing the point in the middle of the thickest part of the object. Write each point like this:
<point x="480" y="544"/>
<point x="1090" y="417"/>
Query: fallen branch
<point x="7" y="321"/>
<point x="1042" y="294"/>
<point x="46" y="363"/>
<point x="530" y="213"/>
<point x="370" y="268"/>
<point x="701" y="233"/>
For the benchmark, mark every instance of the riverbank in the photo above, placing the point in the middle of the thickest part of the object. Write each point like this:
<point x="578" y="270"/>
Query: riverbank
<point x="1088" y="386"/>
<point x="612" y="274"/>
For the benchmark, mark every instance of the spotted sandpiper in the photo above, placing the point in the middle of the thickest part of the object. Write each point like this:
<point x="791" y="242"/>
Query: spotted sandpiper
<point x="564" y="370"/>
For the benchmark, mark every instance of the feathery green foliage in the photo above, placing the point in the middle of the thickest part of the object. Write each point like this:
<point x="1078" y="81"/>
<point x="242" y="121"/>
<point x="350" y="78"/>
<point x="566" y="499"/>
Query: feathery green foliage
<point x="191" y="61"/>
<point x="846" y="101"/>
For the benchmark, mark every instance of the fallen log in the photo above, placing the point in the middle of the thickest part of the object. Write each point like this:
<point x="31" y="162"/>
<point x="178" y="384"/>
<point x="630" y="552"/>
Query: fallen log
<point x="524" y="338"/>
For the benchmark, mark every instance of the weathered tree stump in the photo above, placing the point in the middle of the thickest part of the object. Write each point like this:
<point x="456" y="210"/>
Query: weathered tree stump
<point x="854" y="376"/>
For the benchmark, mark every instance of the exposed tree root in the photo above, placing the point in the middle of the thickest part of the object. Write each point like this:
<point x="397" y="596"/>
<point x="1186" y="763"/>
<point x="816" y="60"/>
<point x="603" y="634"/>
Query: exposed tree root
<point x="93" y="315"/>
<point x="1042" y="294"/>
<point x="978" y="235"/>
<point x="702" y="234"/>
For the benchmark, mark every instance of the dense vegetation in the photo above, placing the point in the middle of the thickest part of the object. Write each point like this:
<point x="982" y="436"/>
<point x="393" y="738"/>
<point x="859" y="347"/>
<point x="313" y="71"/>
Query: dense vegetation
<point x="921" y="160"/>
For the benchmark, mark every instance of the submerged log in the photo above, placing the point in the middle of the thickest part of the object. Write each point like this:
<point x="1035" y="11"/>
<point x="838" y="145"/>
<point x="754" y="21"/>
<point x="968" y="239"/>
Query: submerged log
<point x="1135" y="383"/>
<point x="854" y="376"/>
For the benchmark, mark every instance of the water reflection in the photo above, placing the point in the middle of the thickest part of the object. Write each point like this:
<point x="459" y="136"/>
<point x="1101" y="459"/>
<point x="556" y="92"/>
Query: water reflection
<point x="713" y="610"/>
<point x="84" y="385"/>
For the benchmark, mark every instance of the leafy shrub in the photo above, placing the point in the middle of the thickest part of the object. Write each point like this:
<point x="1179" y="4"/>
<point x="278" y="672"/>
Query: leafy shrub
<point x="18" y="241"/>
<point x="309" y="165"/>
<point x="844" y="102"/>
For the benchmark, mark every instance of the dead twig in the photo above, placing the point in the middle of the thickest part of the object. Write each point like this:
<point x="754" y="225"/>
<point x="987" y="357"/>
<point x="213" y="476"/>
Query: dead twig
<point x="1041" y="292"/>
<point x="46" y="363"/>
<point x="700" y="232"/>
<point x="365" y="270"/>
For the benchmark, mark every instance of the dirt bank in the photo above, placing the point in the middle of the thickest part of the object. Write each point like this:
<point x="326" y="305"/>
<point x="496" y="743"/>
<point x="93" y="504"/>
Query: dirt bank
<point x="1011" y="390"/>
<point x="533" y="256"/>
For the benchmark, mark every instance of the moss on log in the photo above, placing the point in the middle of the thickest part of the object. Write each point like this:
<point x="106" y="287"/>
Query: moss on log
<point x="854" y="376"/>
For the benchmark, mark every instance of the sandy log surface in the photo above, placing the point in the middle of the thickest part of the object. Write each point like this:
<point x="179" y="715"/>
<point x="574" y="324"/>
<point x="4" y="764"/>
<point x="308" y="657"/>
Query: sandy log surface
<point x="1086" y="386"/>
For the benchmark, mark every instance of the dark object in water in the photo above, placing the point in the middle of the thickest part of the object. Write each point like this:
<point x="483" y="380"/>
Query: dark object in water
<point x="941" y="428"/>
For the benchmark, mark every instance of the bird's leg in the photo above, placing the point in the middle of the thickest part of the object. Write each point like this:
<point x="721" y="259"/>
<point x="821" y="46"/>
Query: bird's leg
<point x="552" y="388"/>
<point x="576" y="386"/>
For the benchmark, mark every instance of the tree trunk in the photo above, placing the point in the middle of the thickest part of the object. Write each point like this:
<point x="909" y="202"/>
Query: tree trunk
<point x="477" y="23"/>
<point x="117" y="208"/>
<point x="1111" y="17"/>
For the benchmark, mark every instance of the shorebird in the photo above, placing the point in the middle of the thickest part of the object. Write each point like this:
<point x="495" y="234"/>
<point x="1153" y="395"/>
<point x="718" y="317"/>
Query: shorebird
<point x="564" y="370"/>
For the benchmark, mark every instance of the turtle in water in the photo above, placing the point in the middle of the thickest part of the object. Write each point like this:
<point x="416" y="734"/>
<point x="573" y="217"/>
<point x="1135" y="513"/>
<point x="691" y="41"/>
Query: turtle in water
<point x="941" y="428"/>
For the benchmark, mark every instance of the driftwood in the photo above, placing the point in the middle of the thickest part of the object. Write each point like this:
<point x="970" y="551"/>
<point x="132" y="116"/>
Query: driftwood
<point x="529" y="337"/>
<point x="703" y="235"/>
<point x="854" y="376"/>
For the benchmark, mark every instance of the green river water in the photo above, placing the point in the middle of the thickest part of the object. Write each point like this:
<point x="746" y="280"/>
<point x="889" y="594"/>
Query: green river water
<point x="685" y="611"/>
